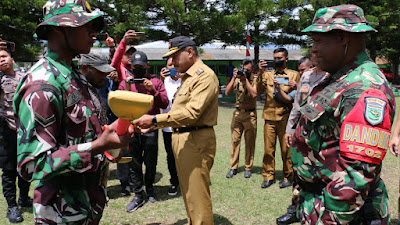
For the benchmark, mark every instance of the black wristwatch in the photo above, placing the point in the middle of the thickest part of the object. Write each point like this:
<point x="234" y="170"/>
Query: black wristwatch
<point x="154" y="121"/>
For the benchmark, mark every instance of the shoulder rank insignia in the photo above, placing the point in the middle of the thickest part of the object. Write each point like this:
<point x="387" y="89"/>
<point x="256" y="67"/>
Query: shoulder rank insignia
<point x="199" y="71"/>
<point x="374" y="110"/>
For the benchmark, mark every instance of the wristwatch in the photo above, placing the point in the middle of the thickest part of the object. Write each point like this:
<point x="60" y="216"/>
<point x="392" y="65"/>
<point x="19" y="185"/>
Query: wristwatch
<point x="154" y="121"/>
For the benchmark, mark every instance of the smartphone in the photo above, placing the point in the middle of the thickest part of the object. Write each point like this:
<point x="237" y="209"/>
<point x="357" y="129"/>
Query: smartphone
<point x="172" y="72"/>
<point x="101" y="36"/>
<point x="282" y="80"/>
<point x="141" y="35"/>
<point x="270" y="65"/>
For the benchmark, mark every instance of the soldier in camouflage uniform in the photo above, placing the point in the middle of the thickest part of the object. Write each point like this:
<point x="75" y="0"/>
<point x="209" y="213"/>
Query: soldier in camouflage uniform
<point x="344" y="129"/>
<point x="60" y="142"/>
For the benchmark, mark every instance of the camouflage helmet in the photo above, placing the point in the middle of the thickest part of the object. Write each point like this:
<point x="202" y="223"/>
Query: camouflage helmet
<point x="67" y="13"/>
<point x="348" y="18"/>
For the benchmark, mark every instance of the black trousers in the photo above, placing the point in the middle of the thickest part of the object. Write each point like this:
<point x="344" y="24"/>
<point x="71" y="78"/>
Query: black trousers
<point x="167" y="136"/>
<point x="10" y="174"/>
<point x="144" y="149"/>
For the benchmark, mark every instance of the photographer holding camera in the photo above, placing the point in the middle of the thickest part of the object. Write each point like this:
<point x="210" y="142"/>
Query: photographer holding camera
<point x="8" y="146"/>
<point x="244" y="117"/>
<point x="144" y="147"/>
<point x="276" y="114"/>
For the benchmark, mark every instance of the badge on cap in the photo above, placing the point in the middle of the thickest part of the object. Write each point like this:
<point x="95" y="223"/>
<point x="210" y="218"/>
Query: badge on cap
<point x="374" y="110"/>
<point x="137" y="56"/>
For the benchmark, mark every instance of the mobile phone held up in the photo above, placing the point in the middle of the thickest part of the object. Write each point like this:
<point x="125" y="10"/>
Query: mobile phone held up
<point x="101" y="36"/>
<point x="282" y="80"/>
<point x="172" y="72"/>
<point x="134" y="80"/>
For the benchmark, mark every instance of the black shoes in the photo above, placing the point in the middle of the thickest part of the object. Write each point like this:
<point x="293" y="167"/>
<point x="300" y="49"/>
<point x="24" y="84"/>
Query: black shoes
<point x="25" y="201"/>
<point x="285" y="184"/>
<point x="267" y="183"/>
<point x="137" y="202"/>
<point x="125" y="189"/>
<point x="247" y="173"/>
<point x="14" y="215"/>
<point x="289" y="217"/>
<point x="231" y="173"/>
<point x="151" y="195"/>
<point x="173" y="190"/>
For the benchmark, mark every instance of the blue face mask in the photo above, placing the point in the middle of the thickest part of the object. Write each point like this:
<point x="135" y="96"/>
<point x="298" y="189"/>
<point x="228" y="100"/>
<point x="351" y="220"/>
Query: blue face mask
<point x="173" y="72"/>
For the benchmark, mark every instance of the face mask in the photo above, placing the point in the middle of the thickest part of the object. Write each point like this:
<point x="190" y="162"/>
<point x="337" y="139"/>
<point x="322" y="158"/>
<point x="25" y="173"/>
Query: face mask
<point x="139" y="72"/>
<point x="279" y="63"/>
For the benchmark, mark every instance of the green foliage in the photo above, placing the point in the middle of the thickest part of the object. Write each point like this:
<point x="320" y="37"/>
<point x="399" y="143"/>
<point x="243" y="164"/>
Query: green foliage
<point x="18" y="20"/>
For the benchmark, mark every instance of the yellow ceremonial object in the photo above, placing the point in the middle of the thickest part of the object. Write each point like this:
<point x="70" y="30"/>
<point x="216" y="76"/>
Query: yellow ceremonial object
<point x="129" y="105"/>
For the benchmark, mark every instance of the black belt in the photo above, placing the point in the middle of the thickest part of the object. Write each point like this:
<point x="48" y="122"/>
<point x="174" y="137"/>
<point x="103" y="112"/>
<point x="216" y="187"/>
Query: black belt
<point x="246" y="110"/>
<point x="314" y="188"/>
<point x="188" y="129"/>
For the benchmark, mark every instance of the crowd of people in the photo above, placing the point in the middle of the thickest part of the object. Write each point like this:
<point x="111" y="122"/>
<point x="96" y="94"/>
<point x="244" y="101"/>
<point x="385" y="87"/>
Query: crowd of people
<point x="332" y="119"/>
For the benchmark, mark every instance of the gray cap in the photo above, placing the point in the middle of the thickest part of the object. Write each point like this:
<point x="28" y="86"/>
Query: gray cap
<point x="139" y="58"/>
<point x="96" y="61"/>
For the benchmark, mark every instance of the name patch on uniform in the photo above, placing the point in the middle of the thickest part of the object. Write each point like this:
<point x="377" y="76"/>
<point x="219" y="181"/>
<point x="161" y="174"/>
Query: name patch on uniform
<point x="364" y="142"/>
<point x="374" y="110"/>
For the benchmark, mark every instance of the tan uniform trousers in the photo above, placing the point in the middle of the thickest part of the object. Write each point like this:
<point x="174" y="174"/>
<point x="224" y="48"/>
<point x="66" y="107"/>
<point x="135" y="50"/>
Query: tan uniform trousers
<point x="271" y="130"/>
<point x="194" y="156"/>
<point x="246" y="122"/>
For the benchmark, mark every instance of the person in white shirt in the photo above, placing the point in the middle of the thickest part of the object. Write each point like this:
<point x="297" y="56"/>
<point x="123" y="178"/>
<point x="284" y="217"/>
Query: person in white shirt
<point x="172" y="81"/>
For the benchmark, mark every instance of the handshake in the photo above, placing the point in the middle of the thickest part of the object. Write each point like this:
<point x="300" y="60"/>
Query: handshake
<point x="7" y="45"/>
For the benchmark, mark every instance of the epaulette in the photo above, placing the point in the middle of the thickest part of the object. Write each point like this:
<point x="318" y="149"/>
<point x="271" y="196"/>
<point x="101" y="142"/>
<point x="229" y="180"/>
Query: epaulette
<point x="199" y="71"/>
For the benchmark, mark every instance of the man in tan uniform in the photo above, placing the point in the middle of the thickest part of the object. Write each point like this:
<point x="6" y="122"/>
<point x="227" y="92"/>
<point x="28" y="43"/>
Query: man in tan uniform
<point x="193" y="114"/>
<point x="276" y="114"/>
<point x="244" y="117"/>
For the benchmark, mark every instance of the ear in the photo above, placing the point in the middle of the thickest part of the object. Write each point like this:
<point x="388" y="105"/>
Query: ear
<point x="191" y="52"/>
<point x="343" y="37"/>
<point x="84" y="69"/>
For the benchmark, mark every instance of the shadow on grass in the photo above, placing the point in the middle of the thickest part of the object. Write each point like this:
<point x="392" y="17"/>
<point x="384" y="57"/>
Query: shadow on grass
<point x="114" y="192"/>
<point x="113" y="175"/>
<point x="258" y="170"/>
<point x="218" y="219"/>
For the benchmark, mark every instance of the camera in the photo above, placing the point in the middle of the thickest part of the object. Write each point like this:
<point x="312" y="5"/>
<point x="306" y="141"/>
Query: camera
<point x="132" y="80"/>
<point x="9" y="45"/>
<point x="101" y="36"/>
<point x="241" y="72"/>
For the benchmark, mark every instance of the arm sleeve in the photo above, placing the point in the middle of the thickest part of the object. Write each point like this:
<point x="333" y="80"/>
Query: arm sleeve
<point x="116" y="60"/>
<point x="259" y="84"/>
<point x="160" y="95"/>
<point x="40" y="154"/>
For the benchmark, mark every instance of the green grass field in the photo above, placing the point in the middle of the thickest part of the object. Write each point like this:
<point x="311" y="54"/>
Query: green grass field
<point x="235" y="201"/>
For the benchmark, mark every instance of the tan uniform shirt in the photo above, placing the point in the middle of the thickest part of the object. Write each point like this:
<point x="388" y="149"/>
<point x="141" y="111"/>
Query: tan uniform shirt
<point x="274" y="110"/>
<point x="243" y="97"/>
<point x="196" y="101"/>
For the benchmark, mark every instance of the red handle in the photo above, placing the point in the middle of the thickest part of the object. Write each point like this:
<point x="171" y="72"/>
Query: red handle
<point x="122" y="127"/>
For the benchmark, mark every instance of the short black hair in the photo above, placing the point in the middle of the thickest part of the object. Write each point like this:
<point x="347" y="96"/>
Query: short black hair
<point x="8" y="51"/>
<point x="247" y="61"/>
<point x="304" y="59"/>
<point x="284" y="50"/>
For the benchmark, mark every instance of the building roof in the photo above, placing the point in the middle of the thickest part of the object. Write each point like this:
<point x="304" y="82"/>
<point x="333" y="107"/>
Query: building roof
<point x="214" y="51"/>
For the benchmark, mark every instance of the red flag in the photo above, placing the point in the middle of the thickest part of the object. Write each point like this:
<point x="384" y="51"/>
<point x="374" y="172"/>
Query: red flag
<point x="248" y="41"/>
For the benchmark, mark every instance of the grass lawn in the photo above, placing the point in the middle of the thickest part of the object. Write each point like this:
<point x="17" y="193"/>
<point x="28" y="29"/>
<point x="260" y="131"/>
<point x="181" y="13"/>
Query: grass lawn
<point x="235" y="201"/>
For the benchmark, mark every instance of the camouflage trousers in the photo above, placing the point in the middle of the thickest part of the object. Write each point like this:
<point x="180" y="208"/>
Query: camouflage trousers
<point x="314" y="209"/>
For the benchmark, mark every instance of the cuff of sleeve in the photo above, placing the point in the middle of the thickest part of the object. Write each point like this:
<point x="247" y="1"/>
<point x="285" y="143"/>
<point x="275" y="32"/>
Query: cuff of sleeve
<point x="162" y="119"/>
<point x="81" y="159"/>
<point x="290" y="131"/>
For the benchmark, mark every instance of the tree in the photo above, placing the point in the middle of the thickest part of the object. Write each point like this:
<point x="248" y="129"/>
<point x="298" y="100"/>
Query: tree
<point x="383" y="15"/>
<point x="18" y="20"/>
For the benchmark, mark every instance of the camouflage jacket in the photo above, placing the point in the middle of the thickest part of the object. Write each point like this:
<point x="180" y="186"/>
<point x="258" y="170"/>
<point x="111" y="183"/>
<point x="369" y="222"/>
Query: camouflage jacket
<point x="317" y="160"/>
<point x="56" y="126"/>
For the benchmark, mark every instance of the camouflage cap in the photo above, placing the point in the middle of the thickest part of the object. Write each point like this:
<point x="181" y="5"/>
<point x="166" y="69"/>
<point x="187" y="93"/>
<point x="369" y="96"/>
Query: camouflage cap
<point x="67" y="13"/>
<point x="348" y="18"/>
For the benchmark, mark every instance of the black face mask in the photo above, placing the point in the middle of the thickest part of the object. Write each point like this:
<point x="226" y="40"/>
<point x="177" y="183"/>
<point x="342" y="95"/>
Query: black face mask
<point x="140" y="72"/>
<point x="279" y="63"/>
